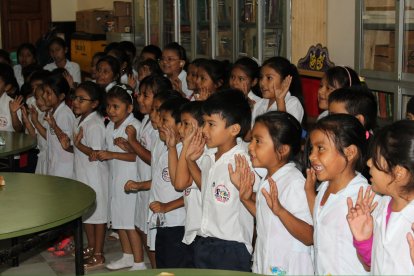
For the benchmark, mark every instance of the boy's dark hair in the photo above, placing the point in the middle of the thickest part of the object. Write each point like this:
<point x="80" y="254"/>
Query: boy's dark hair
<point x="122" y="58"/>
<point x="96" y="93"/>
<point x="120" y="92"/>
<point x="358" y="101"/>
<point x="110" y="46"/>
<point x="216" y="69"/>
<point x="153" y="66"/>
<point x="30" y="70"/>
<point x="410" y="106"/>
<point x="174" y="46"/>
<point x="284" y="129"/>
<point x="344" y="130"/>
<point x="342" y="76"/>
<point x="165" y="95"/>
<point x="395" y="143"/>
<point x="174" y="106"/>
<point x="232" y="106"/>
<point x="251" y="68"/>
<point x="57" y="40"/>
<point x="57" y="82"/>
<point x="129" y="48"/>
<point x="98" y="55"/>
<point x="114" y="64"/>
<point x="7" y="74"/>
<point x="152" y="49"/>
<point x="39" y="75"/>
<point x="6" y="56"/>
<point x="156" y="82"/>
<point x="195" y="109"/>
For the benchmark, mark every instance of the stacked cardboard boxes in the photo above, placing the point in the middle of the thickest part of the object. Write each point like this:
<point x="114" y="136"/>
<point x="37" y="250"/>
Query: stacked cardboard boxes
<point x="122" y="17"/>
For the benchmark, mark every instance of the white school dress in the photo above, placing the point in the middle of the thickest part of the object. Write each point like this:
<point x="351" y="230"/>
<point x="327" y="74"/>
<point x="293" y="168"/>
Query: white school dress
<point x="94" y="174"/>
<point x="335" y="253"/>
<point x="60" y="161"/>
<point x="223" y="215"/>
<point x="122" y="204"/>
<point x="147" y="136"/>
<point x="277" y="251"/>
<point x="183" y="78"/>
<point x="5" y="116"/>
<point x="293" y="107"/>
<point x="163" y="191"/>
<point x="18" y="74"/>
<point x="390" y="250"/>
<point x="70" y="66"/>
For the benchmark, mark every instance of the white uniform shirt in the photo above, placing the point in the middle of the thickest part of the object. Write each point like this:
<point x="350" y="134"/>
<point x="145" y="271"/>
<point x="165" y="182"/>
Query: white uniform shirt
<point x="72" y="68"/>
<point x="322" y="115"/>
<point x="276" y="248"/>
<point x="293" y="107"/>
<point x="147" y="136"/>
<point x="18" y="74"/>
<point x="122" y="204"/>
<point x="94" y="174"/>
<point x="5" y="116"/>
<point x="183" y="78"/>
<point x="335" y="253"/>
<point x="390" y="251"/>
<point x="60" y="161"/>
<point x="253" y="96"/>
<point x="223" y="214"/>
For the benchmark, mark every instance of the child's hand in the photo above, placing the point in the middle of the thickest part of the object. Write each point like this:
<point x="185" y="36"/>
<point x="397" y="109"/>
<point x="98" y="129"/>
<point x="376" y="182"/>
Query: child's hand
<point x="131" y="132"/>
<point x="196" y="147"/>
<point x="34" y="115"/>
<point x="77" y="137"/>
<point x="272" y="198"/>
<point x="132" y="81"/>
<point x="310" y="180"/>
<point x="170" y="137"/>
<point x="203" y="94"/>
<point x="157" y="207"/>
<point x="16" y="104"/>
<point x="122" y="143"/>
<point x="103" y="155"/>
<point x="280" y="92"/>
<point x="93" y="156"/>
<point x="131" y="186"/>
<point x="410" y="240"/>
<point x="242" y="177"/>
<point x="64" y="141"/>
<point x="69" y="79"/>
<point x="189" y="134"/>
<point x="25" y="116"/>
<point x="50" y="119"/>
<point x="359" y="217"/>
<point x="177" y="85"/>
<point x="244" y="87"/>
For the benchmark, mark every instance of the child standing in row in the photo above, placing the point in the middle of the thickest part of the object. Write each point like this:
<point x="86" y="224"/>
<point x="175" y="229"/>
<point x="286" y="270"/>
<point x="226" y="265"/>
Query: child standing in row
<point x="380" y="238"/>
<point x="337" y="150"/>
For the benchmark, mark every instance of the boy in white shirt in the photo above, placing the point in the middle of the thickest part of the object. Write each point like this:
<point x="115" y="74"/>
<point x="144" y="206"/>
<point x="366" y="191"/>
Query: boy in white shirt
<point x="226" y="225"/>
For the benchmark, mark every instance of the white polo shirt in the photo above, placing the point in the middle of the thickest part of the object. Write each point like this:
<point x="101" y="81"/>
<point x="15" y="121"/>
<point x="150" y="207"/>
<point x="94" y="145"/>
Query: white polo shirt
<point x="72" y="68"/>
<point x="223" y="214"/>
<point x="183" y="78"/>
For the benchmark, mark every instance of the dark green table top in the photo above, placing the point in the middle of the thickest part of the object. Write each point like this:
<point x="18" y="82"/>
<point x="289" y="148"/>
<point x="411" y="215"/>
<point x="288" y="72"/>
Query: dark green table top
<point x="16" y="143"/>
<point x="31" y="203"/>
<point x="178" y="272"/>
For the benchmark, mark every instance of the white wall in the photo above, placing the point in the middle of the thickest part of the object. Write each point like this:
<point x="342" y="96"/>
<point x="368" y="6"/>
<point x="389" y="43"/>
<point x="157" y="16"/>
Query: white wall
<point x="63" y="10"/>
<point x="341" y="31"/>
<point x="95" y="4"/>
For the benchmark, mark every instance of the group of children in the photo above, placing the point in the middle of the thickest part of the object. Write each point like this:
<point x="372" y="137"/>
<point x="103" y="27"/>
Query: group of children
<point x="188" y="161"/>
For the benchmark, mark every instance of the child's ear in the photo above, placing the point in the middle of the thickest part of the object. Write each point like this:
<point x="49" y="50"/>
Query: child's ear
<point x="235" y="129"/>
<point x="254" y="82"/>
<point x="351" y="152"/>
<point x="402" y="175"/>
<point x="284" y="151"/>
<point x="361" y="118"/>
<point x="130" y="108"/>
<point x="8" y="87"/>
<point x="218" y="84"/>
<point x="62" y="97"/>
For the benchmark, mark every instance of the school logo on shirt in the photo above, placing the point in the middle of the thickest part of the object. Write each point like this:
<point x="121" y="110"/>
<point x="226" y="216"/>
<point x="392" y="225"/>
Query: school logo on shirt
<point x="221" y="193"/>
<point x="3" y="121"/>
<point x="165" y="175"/>
<point x="187" y="192"/>
<point x="274" y="270"/>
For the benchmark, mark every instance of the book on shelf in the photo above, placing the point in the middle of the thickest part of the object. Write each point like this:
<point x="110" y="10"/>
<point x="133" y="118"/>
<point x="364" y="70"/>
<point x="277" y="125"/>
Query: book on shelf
<point x="184" y="11"/>
<point x="273" y="42"/>
<point x="249" y="11"/>
<point x="203" y="10"/>
<point x="222" y="14"/>
<point x="384" y="104"/>
<point x="273" y="12"/>
<point x="224" y="41"/>
<point x="203" y="44"/>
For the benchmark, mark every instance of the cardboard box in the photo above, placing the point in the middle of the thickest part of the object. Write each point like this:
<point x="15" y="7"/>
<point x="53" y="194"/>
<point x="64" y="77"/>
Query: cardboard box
<point x="122" y="8"/>
<point x="92" y="21"/>
<point x="385" y="51"/>
<point x="123" y="24"/>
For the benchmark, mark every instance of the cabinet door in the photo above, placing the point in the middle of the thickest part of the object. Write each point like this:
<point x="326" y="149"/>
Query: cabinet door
<point x="378" y="38"/>
<point x="168" y="22"/>
<point x="203" y="36"/>
<point x="139" y="21"/>
<point x="154" y="23"/>
<point x="273" y="28"/>
<point x="408" y="41"/>
<point x="247" y="22"/>
<point x="185" y="26"/>
<point x="223" y="29"/>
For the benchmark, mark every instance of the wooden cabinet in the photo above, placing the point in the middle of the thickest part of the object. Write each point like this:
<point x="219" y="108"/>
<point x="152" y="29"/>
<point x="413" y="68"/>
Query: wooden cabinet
<point x="84" y="46"/>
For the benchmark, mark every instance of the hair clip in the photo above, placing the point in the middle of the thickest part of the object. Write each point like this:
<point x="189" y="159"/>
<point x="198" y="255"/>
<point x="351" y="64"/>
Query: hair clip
<point x="127" y="89"/>
<point x="349" y="75"/>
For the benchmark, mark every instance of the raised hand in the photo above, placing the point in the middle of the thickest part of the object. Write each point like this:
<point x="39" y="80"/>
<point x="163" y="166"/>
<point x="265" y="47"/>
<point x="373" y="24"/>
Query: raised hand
<point x="34" y="115"/>
<point x="25" y="116"/>
<point x="189" y="134"/>
<point x="272" y="197"/>
<point x="280" y="92"/>
<point x="16" y="104"/>
<point x="410" y="240"/>
<point x="196" y="147"/>
<point x="359" y="217"/>
<point x="64" y="141"/>
<point x="203" y="94"/>
<point x="177" y="84"/>
<point x="77" y="137"/>
<point x="310" y="179"/>
<point x="51" y="120"/>
<point x="242" y="177"/>
<point x="132" y="81"/>
<point x="69" y="79"/>
<point x="170" y="137"/>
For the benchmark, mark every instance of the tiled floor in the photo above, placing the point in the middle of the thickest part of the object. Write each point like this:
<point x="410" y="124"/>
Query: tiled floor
<point x="42" y="262"/>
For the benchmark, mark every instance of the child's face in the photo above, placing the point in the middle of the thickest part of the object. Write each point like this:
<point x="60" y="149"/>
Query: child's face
<point x="240" y="80"/>
<point x="380" y="181"/>
<point x="410" y="116"/>
<point x="323" y="93"/>
<point x="215" y="132"/>
<point x="325" y="159"/>
<point x="143" y="72"/>
<point x="117" y="110"/>
<point x="192" y="77"/>
<point x="145" y="99"/>
<point x="155" y="114"/>
<point x="147" y="55"/>
<point x="50" y="98"/>
<point x="40" y="102"/>
<point x="337" y="108"/>
<point x="104" y="74"/>
<point x="204" y="81"/>
<point x="261" y="149"/>
<point x="171" y="64"/>
<point x="35" y="84"/>
<point x="82" y="103"/>
<point x="188" y="123"/>
<point x="26" y="58"/>
<point x="3" y="86"/>
<point x="167" y="121"/>
<point x="270" y="80"/>
<point x="57" y="52"/>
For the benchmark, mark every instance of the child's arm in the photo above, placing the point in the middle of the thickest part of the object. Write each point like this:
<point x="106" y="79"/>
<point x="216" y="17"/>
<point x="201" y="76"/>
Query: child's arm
<point x="296" y="227"/>
<point x="171" y="142"/>
<point x="77" y="138"/>
<point x="61" y="135"/>
<point x="34" y="116"/>
<point x="280" y="93"/>
<point x="194" y="151"/>
<point x="159" y="207"/>
<point x="14" y="106"/>
<point x="310" y="188"/>
<point x="142" y="152"/>
<point x="103" y="155"/>
<point x="134" y="186"/>
<point x="410" y="240"/>
<point x="361" y="223"/>
<point x="183" y="178"/>
<point x="243" y="179"/>
<point x="26" y="121"/>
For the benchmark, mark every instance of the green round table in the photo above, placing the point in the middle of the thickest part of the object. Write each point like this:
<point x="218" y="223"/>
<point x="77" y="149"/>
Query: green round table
<point x="178" y="272"/>
<point x="15" y="143"/>
<point x="31" y="203"/>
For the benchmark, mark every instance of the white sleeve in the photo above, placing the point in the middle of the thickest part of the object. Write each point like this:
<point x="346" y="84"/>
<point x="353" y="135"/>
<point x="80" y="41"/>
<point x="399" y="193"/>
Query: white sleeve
<point x="295" y="108"/>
